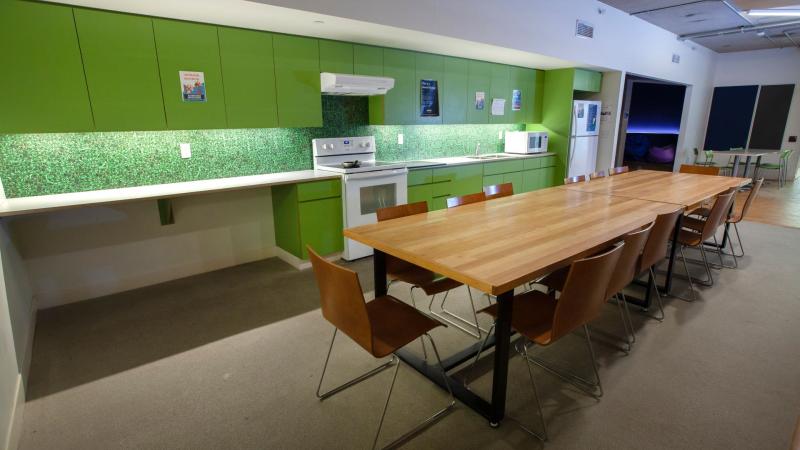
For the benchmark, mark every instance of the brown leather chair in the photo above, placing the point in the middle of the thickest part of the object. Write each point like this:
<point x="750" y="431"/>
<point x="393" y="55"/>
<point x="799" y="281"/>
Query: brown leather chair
<point x="655" y="249"/>
<point x="624" y="274"/>
<point x="477" y="197"/>
<point x="796" y="438"/>
<point x="543" y="320"/>
<point x="380" y="327"/>
<point x="617" y="170"/>
<point x="695" y="232"/>
<point x="498" y="190"/>
<point x="600" y="174"/>
<point x="429" y="282"/>
<point x="700" y="170"/>
<point x="575" y="179"/>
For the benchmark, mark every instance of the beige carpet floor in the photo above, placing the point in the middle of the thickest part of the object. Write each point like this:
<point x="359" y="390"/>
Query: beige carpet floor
<point x="231" y="359"/>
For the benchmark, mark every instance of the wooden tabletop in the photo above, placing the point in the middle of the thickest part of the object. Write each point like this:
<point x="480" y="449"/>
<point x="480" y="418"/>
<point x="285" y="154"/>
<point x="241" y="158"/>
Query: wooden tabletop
<point x="679" y="188"/>
<point x="744" y="153"/>
<point x="499" y="244"/>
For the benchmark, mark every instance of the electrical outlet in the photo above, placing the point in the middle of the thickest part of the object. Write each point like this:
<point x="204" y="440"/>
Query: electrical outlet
<point x="399" y="138"/>
<point x="186" y="151"/>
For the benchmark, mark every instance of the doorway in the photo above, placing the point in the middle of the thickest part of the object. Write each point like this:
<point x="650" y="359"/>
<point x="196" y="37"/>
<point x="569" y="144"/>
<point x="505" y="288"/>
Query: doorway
<point x="650" y="123"/>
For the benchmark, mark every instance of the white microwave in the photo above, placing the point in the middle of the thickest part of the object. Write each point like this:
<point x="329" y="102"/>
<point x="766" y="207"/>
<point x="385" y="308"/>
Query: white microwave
<point x="526" y="142"/>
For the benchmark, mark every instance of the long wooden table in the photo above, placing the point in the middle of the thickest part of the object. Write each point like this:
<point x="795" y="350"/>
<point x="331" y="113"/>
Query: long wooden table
<point x="497" y="245"/>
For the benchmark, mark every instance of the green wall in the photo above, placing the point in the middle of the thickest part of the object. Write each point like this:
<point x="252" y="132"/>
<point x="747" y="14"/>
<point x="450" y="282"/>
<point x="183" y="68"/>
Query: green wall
<point x="40" y="164"/>
<point x="557" y="113"/>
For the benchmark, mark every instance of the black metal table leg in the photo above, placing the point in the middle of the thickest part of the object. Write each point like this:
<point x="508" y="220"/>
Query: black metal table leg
<point x="503" y="343"/>
<point x="379" y="272"/>
<point x="672" y="252"/>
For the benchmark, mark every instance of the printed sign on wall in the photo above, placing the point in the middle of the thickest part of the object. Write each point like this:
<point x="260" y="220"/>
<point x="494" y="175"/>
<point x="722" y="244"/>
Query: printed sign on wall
<point x="480" y="98"/>
<point x="516" y="100"/>
<point x="429" y="98"/>
<point x="193" y="86"/>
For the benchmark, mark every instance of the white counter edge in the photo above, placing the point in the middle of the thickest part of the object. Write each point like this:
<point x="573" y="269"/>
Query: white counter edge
<point x="44" y="203"/>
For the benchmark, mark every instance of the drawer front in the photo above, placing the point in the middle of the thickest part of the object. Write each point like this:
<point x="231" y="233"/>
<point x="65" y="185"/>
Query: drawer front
<point x="442" y="189"/>
<point x="532" y="163"/>
<point x="316" y="190"/>
<point x="443" y="174"/>
<point x="548" y="161"/>
<point x="420" y="176"/>
<point x="494" y="168"/>
<point x="490" y="180"/>
<point x="421" y="193"/>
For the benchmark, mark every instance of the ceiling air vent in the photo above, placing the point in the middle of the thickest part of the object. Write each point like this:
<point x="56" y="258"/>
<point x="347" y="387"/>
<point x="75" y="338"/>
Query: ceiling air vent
<point x="676" y="58"/>
<point x="584" y="29"/>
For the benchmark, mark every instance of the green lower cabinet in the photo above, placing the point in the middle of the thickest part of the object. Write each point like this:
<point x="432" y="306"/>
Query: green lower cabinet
<point x="490" y="180"/>
<point x="439" y="203"/>
<point x="533" y="180"/>
<point x="308" y="214"/>
<point x="463" y="180"/>
<point x="552" y="177"/>
<point x="421" y="193"/>
<point x="515" y="178"/>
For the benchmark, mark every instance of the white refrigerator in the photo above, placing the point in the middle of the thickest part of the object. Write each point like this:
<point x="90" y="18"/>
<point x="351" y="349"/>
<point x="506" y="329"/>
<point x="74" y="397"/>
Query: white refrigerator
<point x="583" y="137"/>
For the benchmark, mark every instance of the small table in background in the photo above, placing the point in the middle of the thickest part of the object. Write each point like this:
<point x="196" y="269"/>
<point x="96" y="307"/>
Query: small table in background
<point x="737" y="156"/>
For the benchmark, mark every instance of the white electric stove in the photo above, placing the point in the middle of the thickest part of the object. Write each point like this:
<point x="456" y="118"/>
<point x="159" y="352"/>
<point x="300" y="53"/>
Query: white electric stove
<point x="366" y="187"/>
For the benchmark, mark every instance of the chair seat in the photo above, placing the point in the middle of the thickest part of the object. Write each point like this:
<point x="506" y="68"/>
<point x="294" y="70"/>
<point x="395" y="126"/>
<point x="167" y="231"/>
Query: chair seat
<point x="736" y="217"/>
<point x="395" y="324"/>
<point x="533" y="315"/>
<point x="769" y="166"/>
<point x="690" y="238"/>
<point x="693" y="223"/>
<point x="428" y="281"/>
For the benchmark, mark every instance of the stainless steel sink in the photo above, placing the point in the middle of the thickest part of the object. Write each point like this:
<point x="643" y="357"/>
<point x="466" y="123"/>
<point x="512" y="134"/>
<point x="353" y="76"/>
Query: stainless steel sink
<point x="494" y="156"/>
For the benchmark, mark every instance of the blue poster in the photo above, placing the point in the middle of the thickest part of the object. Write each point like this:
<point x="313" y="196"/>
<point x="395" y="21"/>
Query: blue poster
<point x="516" y="100"/>
<point x="429" y="98"/>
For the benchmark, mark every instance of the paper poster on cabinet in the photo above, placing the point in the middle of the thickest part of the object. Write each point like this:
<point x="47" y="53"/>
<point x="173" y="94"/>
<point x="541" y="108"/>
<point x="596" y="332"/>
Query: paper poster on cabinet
<point x="480" y="98"/>
<point x="429" y="98"/>
<point x="516" y="100"/>
<point x="193" y="86"/>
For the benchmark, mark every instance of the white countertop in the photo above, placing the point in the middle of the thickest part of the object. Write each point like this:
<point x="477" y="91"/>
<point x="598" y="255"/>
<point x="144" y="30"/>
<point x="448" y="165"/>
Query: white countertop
<point x="459" y="160"/>
<point x="30" y="205"/>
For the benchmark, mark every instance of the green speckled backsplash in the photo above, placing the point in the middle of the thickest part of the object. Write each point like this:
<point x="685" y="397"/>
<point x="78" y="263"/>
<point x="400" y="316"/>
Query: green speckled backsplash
<point x="40" y="164"/>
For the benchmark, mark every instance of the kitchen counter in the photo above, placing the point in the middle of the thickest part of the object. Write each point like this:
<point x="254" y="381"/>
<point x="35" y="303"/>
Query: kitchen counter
<point x="462" y="160"/>
<point x="43" y="203"/>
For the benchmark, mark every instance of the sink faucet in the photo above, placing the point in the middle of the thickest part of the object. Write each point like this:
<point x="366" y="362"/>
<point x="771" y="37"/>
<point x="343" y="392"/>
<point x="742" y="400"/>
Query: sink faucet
<point x="478" y="149"/>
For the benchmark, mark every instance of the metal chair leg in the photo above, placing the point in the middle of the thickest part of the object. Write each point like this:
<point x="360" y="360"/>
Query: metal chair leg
<point x="688" y="276"/>
<point x="476" y="334"/>
<point x="710" y="280"/>
<point x="478" y="355"/>
<point x="739" y="238"/>
<point x="622" y="318"/>
<point x="425" y="423"/>
<point x="414" y="304"/>
<point x="543" y="436"/>
<point x="354" y="381"/>
<point x="658" y="297"/>
<point x="720" y="253"/>
<point x="628" y="315"/>
<point x="591" y="388"/>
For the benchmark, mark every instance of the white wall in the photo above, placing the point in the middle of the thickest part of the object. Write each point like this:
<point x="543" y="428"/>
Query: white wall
<point x="761" y="67"/>
<point x="83" y="253"/>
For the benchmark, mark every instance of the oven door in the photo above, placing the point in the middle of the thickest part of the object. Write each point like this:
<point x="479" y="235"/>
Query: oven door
<point x="366" y="192"/>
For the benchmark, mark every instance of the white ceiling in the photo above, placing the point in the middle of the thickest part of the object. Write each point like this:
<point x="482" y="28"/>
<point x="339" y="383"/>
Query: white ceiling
<point x="686" y="17"/>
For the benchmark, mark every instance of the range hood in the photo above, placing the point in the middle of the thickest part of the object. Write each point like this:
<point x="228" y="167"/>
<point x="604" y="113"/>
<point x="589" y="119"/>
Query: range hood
<point x="346" y="84"/>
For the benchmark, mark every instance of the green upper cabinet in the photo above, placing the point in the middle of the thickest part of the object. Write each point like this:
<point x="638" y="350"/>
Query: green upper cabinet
<point x="399" y="103"/>
<point x="500" y="89"/>
<point x="453" y="93"/>
<point x="335" y="57"/>
<point x="119" y="58"/>
<point x="587" y="80"/>
<point x="367" y="60"/>
<point x="428" y="67"/>
<point x="190" y="47"/>
<point x="247" y="60"/>
<point x="44" y="88"/>
<point x="479" y="81"/>
<point x="524" y="81"/>
<point x="297" y="81"/>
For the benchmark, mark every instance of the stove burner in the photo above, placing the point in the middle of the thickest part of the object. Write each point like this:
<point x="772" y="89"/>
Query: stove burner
<point x="351" y="164"/>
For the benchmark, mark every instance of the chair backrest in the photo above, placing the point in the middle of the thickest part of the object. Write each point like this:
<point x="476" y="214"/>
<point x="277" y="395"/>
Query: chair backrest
<point x="656" y="246"/>
<point x="600" y="174"/>
<point x="584" y="292"/>
<point x="477" y="197"/>
<point x="397" y="265"/>
<point x="785" y="154"/>
<point x="709" y="155"/>
<point x="718" y="213"/>
<point x="701" y="170"/>
<point x="628" y="262"/>
<point x="617" y="170"/>
<point x="498" y="190"/>
<point x="342" y="300"/>
<point x="393" y="212"/>
<point x="575" y="179"/>
<point x="750" y="197"/>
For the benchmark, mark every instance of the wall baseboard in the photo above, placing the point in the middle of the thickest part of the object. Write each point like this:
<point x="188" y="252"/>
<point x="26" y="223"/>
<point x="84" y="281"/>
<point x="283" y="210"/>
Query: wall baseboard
<point x="300" y="264"/>
<point x="15" y="424"/>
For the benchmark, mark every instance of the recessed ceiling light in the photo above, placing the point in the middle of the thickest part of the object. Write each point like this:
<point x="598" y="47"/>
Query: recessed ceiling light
<point x="761" y="33"/>
<point x="776" y="12"/>
<point x="320" y="22"/>
<point x="690" y="15"/>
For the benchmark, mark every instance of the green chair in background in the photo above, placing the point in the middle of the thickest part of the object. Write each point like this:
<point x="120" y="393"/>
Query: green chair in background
<point x="724" y="170"/>
<point x="782" y="165"/>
